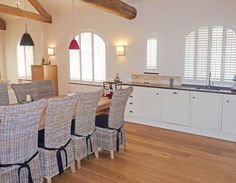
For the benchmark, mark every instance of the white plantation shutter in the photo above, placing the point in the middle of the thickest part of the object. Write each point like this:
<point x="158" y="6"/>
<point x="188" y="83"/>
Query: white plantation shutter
<point x="99" y="59"/>
<point x="25" y="58"/>
<point x="202" y="53"/>
<point x="230" y="55"/>
<point x="86" y="56"/>
<point x="151" y="63"/>
<point x="74" y="65"/>
<point x="189" y="56"/>
<point x="210" y="49"/>
<point x="88" y="63"/>
<point x="216" y="52"/>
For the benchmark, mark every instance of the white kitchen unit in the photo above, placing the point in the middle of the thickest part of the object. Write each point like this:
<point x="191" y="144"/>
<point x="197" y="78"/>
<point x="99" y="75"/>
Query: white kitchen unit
<point x="133" y="107"/>
<point x="229" y="114"/>
<point x="204" y="113"/>
<point x="206" y="110"/>
<point x="150" y="104"/>
<point x="175" y="106"/>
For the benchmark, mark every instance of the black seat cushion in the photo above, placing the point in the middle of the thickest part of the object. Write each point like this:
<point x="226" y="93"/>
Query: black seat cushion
<point x="41" y="138"/>
<point x="102" y="121"/>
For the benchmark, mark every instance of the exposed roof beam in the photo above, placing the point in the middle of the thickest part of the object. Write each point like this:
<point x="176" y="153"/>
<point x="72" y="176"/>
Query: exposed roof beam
<point x="117" y="7"/>
<point x="20" y="13"/>
<point x="39" y="8"/>
<point x="2" y="24"/>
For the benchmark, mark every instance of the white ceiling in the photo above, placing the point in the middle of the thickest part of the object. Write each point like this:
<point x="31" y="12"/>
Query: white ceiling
<point x="58" y="6"/>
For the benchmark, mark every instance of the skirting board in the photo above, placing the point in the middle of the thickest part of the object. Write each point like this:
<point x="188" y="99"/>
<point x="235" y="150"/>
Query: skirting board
<point x="185" y="129"/>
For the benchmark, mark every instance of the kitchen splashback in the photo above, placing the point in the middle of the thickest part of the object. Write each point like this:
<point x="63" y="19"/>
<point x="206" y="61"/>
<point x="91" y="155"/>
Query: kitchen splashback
<point x="155" y="79"/>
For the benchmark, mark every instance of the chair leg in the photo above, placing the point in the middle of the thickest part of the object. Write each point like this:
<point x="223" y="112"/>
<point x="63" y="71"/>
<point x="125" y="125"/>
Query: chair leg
<point x="49" y="180"/>
<point x="96" y="154"/>
<point x="73" y="168"/>
<point x="125" y="146"/>
<point x="112" y="154"/>
<point x="78" y="164"/>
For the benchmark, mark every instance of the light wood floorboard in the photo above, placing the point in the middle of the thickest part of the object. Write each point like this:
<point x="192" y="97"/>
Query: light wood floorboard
<point x="156" y="155"/>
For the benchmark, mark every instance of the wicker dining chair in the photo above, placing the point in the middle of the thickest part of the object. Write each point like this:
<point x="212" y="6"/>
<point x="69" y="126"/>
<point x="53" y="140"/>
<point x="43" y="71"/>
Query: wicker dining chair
<point x="45" y="88"/>
<point x="55" y="147"/>
<point x="19" y="126"/>
<point x="110" y="127"/>
<point x="24" y="89"/>
<point x="84" y="138"/>
<point x="4" y="97"/>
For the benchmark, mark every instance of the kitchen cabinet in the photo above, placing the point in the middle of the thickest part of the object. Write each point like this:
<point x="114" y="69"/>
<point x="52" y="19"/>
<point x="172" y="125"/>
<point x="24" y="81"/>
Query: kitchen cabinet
<point x="151" y="104"/>
<point x="175" y="106"/>
<point x="229" y="114"/>
<point x="206" y="109"/>
<point x="133" y="106"/>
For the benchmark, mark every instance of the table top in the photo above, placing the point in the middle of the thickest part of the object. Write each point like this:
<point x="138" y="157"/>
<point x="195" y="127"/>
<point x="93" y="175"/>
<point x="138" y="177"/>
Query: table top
<point x="103" y="104"/>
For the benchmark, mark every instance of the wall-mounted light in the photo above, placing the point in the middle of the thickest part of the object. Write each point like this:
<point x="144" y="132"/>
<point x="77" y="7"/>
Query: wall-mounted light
<point x="51" y="51"/>
<point x="120" y="50"/>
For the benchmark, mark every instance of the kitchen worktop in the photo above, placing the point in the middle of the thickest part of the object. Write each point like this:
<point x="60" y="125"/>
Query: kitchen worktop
<point x="197" y="88"/>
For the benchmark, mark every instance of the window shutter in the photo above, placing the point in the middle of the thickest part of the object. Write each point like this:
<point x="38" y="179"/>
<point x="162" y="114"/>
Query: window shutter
<point x="89" y="63"/>
<point x="151" y="63"/>
<point x="21" y="61"/>
<point x="230" y="55"/>
<point x="216" y="52"/>
<point x="25" y="58"/>
<point x="86" y="56"/>
<point x="74" y="65"/>
<point x="99" y="59"/>
<point x="29" y="58"/>
<point x="202" y="53"/>
<point x="189" y="56"/>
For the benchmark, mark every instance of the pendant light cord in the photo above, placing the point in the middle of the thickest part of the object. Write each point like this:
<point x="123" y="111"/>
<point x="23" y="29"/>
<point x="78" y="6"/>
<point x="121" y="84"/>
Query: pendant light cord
<point x="25" y="17"/>
<point x="73" y="19"/>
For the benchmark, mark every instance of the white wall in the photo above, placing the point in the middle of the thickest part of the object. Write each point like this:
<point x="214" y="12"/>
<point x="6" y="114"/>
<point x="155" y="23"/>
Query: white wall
<point x="15" y="30"/>
<point x="2" y="53"/>
<point x="172" y="20"/>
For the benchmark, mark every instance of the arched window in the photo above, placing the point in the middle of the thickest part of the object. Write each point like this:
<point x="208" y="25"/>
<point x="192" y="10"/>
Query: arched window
<point x="210" y="49"/>
<point x="89" y="63"/>
<point x="25" y="58"/>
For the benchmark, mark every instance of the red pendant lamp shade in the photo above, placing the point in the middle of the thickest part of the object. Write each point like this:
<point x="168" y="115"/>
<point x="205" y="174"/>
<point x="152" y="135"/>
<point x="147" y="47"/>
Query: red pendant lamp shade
<point x="74" y="45"/>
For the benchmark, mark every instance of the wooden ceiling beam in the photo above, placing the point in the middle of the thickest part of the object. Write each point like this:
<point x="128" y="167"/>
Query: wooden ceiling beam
<point x="117" y="7"/>
<point x="20" y="13"/>
<point x="2" y="24"/>
<point x="39" y="8"/>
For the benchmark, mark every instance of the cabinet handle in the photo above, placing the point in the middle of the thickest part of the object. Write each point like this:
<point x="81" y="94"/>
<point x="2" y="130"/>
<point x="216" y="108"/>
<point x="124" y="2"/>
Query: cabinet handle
<point x="157" y="93"/>
<point x="130" y="111"/>
<point x="194" y="97"/>
<point x="131" y="96"/>
<point x="227" y="101"/>
<point x="175" y="93"/>
<point x="131" y="103"/>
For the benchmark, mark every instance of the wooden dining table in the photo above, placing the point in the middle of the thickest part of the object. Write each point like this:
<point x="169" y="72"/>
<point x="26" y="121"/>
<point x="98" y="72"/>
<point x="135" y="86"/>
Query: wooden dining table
<point x="103" y="105"/>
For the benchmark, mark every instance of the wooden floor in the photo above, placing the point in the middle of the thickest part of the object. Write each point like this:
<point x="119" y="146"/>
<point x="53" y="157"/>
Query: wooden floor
<point x="160" y="156"/>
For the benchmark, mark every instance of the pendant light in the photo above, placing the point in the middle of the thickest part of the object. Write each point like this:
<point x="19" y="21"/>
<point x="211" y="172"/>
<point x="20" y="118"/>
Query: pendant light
<point x="26" y="39"/>
<point x="73" y="44"/>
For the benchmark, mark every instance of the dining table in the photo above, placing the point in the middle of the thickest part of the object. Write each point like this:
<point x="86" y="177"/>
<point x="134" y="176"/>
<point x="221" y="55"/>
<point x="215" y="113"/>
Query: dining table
<point x="103" y="105"/>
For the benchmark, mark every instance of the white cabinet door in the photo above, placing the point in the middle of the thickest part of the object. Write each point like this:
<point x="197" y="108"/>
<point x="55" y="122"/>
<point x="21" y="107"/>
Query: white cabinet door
<point x="175" y="106"/>
<point x="206" y="109"/>
<point x="229" y="114"/>
<point x="133" y="105"/>
<point x="151" y="104"/>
